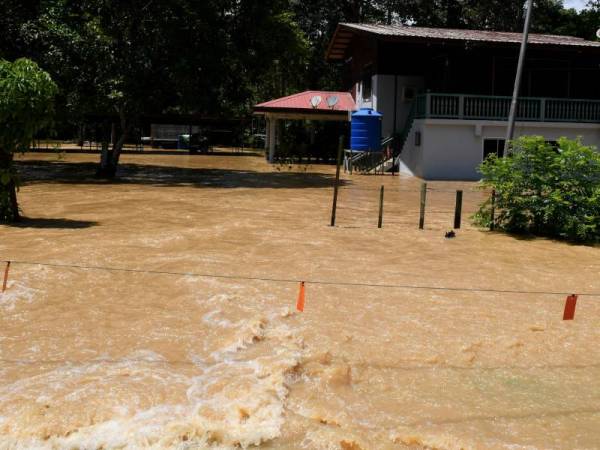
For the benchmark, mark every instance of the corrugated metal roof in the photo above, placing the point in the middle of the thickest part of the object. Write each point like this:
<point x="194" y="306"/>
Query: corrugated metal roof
<point x="302" y="101"/>
<point x="344" y="31"/>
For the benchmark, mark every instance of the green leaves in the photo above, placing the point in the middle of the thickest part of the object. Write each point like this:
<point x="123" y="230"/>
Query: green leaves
<point x="26" y="102"/>
<point x="5" y="178"/>
<point x="545" y="190"/>
<point x="26" y="106"/>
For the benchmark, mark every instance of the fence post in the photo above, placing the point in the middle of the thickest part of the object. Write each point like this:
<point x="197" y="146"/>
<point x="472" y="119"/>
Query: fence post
<point x="5" y="282"/>
<point x="423" y="200"/>
<point x="458" y="209"/>
<point x="543" y="110"/>
<point x="337" y="180"/>
<point x="380" y="223"/>
<point x="493" y="212"/>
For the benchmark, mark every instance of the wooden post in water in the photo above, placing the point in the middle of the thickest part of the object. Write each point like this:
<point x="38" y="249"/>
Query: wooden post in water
<point x="380" y="223"/>
<point x="493" y="212"/>
<point x="423" y="200"/>
<point x="458" y="209"/>
<point x="337" y="180"/>
<point x="5" y="282"/>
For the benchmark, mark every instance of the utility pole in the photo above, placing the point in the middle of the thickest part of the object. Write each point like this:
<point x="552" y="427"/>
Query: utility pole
<point x="513" y="105"/>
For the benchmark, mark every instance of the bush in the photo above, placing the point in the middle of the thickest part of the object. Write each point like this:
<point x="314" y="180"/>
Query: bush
<point x="544" y="189"/>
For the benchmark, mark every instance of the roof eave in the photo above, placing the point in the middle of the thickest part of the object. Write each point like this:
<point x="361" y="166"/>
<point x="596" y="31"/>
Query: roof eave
<point x="325" y="112"/>
<point x="341" y="34"/>
<point x="338" y="46"/>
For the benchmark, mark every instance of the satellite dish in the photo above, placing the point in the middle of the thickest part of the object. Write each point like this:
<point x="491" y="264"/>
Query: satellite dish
<point x="332" y="101"/>
<point x="315" y="101"/>
<point x="598" y="33"/>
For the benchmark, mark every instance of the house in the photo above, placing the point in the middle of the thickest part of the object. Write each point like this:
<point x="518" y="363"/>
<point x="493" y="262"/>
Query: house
<point x="445" y="94"/>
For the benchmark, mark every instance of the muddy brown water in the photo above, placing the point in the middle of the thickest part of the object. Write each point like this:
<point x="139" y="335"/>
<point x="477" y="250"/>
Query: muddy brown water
<point x="92" y="358"/>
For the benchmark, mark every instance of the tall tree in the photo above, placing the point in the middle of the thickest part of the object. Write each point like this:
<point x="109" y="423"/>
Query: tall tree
<point x="129" y="59"/>
<point x="26" y="106"/>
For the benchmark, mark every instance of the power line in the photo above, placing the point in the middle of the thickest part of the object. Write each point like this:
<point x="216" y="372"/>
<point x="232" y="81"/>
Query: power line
<point x="308" y="281"/>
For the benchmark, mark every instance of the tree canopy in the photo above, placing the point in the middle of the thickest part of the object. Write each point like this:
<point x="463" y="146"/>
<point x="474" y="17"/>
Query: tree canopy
<point x="220" y="57"/>
<point x="26" y="106"/>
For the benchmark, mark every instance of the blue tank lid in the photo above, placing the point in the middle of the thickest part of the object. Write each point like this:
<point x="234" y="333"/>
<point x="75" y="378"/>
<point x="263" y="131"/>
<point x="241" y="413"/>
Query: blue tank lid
<point x="366" y="112"/>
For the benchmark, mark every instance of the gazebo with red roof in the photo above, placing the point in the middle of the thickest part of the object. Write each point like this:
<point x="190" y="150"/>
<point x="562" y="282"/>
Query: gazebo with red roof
<point x="308" y="105"/>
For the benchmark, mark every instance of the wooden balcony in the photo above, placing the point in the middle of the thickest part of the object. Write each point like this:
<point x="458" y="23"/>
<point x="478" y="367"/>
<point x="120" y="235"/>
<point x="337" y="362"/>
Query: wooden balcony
<point x="480" y="107"/>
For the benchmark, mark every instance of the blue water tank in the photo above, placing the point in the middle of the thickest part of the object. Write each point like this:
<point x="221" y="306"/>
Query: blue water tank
<point x="365" y="130"/>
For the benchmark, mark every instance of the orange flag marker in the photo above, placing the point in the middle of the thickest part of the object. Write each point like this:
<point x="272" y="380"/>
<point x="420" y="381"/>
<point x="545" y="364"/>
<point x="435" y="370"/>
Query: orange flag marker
<point x="5" y="276"/>
<point x="570" y="307"/>
<point x="300" y="302"/>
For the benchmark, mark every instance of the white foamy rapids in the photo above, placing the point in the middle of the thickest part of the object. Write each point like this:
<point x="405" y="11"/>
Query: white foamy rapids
<point x="235" y="398"/>
<point x="18" y="292"/>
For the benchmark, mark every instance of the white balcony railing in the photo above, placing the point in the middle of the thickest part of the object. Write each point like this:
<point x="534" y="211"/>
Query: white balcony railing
<point x="456" y="106"/>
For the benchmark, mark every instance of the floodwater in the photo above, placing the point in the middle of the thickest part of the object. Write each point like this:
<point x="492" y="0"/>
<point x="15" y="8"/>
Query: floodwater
<point x="161" y="357"/>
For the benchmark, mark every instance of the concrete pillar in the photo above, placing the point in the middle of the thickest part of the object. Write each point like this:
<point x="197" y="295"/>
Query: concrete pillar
<point x="267" y="122"/>
<point x="272" y="138"/>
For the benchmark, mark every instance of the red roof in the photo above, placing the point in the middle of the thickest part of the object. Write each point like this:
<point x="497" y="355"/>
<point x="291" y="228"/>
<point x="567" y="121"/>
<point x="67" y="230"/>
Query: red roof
<point x="302" y="103"/>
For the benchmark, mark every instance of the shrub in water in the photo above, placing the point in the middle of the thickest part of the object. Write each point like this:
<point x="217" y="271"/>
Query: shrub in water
<point x="544" y="189"/>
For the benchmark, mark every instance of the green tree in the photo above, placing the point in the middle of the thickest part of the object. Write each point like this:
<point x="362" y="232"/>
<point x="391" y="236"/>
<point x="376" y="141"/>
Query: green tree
<point x="13" y="15"/>
<point x="588" y="21"/>
<point x="26" y="106"/>
<point x="266" y="54"/>
<point x="124" y="60"/>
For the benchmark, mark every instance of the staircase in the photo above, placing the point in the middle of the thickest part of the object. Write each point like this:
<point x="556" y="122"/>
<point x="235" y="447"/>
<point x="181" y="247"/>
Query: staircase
<point x="396" y="143"/>
<point x="363" y="162"/>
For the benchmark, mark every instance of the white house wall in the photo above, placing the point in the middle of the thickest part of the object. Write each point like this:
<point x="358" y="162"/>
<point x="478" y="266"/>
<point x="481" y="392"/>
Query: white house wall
<point x="453" y="149"/>
<point x="383" y="87"/>
<point x="411" y="158"/>
<point x="382" y="99"/>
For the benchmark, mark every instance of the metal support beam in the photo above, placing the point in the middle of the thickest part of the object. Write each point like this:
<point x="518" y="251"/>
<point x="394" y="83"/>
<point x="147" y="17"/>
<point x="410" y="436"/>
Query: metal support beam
<point x="510" y="133"/>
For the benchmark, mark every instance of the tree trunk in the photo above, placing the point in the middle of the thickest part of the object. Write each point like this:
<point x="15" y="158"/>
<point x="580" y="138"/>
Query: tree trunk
<point x="102" y="171"/>
<point x="9" y="207"/>
<point x="109" y="159"/>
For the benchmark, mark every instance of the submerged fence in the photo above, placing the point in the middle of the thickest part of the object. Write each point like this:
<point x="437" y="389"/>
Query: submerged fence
<point x="426" y="207"/>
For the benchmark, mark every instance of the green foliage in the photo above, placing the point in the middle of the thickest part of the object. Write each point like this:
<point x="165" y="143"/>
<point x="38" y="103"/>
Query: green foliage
<point x="545" y="190"/>
<point x="26" y="103"/>
<point x="219" y="57"/>
<point x="26" y="106"/>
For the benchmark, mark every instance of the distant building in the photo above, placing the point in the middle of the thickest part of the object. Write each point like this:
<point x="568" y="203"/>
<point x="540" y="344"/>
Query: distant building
<point x="446" y="93"/>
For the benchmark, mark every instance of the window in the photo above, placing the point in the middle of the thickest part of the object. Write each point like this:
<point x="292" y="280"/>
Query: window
<point x="493" y="146"/>
<point x="408" y="94"/>
<point x="367" y="87"/>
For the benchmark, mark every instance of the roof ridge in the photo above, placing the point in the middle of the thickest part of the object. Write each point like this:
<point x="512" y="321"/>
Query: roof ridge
<point x="478" y="30"/>
<point x="298" y="94"/>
